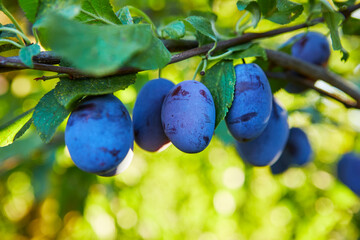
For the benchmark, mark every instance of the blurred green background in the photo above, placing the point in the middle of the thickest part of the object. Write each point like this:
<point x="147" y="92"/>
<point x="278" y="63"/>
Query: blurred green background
<point x="212" y="195"/>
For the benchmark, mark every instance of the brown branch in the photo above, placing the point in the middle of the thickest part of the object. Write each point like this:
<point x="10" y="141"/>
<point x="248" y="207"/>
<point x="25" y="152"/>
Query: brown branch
<point x="45" y="60"/>
<point x="287" y="76"/>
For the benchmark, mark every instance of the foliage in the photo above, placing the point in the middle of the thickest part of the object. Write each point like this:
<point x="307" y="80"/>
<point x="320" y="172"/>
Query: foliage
<point x="168" y="195"/>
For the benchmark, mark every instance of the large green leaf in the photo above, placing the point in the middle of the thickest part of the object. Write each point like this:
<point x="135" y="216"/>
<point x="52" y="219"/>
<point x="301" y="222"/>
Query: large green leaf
<point x="101" y="49"/>
<point x="15" y="128"/>
<point x="220" y="80"/>
<point x="174" y="30"/>
<point x="26" y="54"/>
<point x="30" y="7"/>
<point x="68" y="91"/>
<point x="48" y="115"/>
<point x="97" y="12"/>
<point x="156" y="56"/>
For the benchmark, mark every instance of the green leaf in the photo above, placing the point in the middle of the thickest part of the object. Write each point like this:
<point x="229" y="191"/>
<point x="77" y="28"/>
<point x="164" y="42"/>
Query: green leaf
<point x="97" y="12"/>
<point x="14" y="129"/>
<point x="26" y="54"/>
<point x="202" y="25"/>
<point x="125" y="16"/>
<point x="280" y="11"/>
<point x="333" y="20"/>
<point x="253" y="8"/>
<point x="156" y="56"/>
<point x="174" y="30"/>
<point x="68" y="91"/>
<point x="48" y="115"/>
<point x="220" y="80"/>
<point x="7" y="34"/>
<point x="30" y="7"/>
<point x="101" y="49"/>
<point x="287" y="12"/>
<point x="254" y="50"/>
<point x="351" y="26"/>
<point x="67" y="8"/>
<point x="212" y="17"/>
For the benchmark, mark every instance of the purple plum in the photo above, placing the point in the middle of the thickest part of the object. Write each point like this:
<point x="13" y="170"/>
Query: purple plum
<point x="188" y="116"/>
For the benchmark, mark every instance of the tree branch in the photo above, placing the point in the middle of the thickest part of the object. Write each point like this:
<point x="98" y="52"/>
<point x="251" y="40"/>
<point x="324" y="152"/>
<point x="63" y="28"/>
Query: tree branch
<point x="288" y="76"/>
<point x="45" y="60"/>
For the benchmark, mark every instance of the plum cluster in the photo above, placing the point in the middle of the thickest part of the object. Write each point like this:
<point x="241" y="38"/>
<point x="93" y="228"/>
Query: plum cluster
<point x="100" y="132"/>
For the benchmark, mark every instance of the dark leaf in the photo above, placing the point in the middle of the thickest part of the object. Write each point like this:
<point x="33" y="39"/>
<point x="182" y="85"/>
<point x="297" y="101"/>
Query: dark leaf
<point x="48" y="115"/>
<point x="220" y="80"/>
<point x="68" y="91"/>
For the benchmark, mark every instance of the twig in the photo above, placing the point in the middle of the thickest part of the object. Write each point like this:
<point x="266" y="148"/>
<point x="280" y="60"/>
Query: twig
<point x="287" y="76"/>
<point x="44" y="78"/>
<point x="314" y="72"/>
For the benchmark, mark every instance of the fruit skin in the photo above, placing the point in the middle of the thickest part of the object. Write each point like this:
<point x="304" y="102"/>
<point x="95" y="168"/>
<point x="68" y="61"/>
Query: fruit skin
<point x="251" y="108"/>
<point x="267" y="148"/>
<point x="348" y="169"/>
<point x="99" y="136"/>
<point x="298" y="152"/>
<point x="148" y="130"/>
<point x="311" y="47"/>
<point x="188" y="116"/>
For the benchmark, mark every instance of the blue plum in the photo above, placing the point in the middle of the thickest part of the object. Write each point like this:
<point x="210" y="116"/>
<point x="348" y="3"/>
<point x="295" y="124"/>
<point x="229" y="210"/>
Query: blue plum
<point x="267" y="148"/>
<point x="311" y="47"/>
<point x="188" y="116"/>
<point x="250" y="111"/>
<point x="148" y="130"/>
<point x="348" y="171"/>
<point x="99" y="136"/>
<point x="297" y="152"/>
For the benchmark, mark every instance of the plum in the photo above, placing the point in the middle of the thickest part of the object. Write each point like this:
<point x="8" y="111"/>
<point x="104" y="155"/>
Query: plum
<point x="268" y="146"/>
<point x="311" y="47"/>
<point x="297" y="152"/>
<point x="99" y="136"/>
<point x="251" y="108"/>
<point x="188" y="116"/>
<point x="148" y="130"/>
<point x="348" y="171"/>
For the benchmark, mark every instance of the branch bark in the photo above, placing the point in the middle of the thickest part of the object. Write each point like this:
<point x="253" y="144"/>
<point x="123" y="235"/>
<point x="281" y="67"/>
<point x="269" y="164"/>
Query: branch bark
<point x="287" y="76"/>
